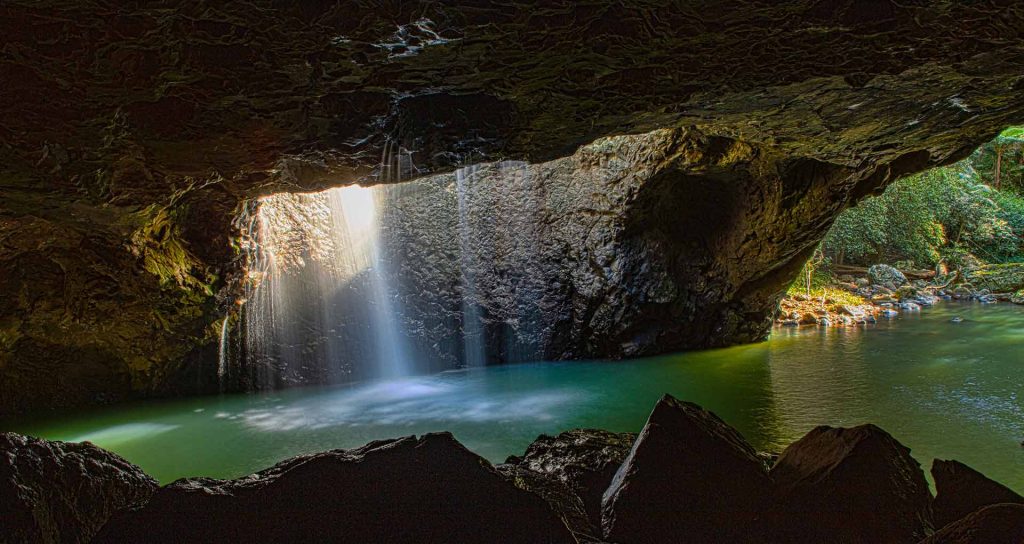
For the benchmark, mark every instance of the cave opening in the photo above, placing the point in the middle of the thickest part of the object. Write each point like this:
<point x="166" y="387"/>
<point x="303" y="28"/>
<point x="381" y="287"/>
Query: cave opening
<point x="419" y="271"/>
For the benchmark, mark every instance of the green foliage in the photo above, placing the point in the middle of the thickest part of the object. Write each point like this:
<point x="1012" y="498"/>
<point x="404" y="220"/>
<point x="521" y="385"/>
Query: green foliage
<point x="952" y="214"/>
<point x="157" y="240"/>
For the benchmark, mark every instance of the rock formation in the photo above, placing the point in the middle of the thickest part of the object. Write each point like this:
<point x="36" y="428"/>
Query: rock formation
<point x="689" y="478"/>
<point x="134" y="139"/>
<point x="996" y="524"/>
<point x="858" y="482"/>
<point x="584" y="459"/>
<point x="427" y="489"/>
<point x="960" y="490"/>
<point x="63" y="492"/>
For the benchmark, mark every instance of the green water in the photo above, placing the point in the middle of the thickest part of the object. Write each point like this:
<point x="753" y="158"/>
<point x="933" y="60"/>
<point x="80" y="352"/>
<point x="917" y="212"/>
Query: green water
<point x="948" y="390"/>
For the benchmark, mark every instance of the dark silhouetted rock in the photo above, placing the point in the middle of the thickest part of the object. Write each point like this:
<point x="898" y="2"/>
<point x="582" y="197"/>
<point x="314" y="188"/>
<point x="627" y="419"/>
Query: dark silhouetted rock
<point x="856" y="485"/>
<point x="689" y="478"/>
<point x="584" y="459"/>
<point x="996" y="524"/>
<point x="960" y="490"/>
<point x="63" y="491"/>
<point x="428" y="489"/>
<point x="562" y="499"/>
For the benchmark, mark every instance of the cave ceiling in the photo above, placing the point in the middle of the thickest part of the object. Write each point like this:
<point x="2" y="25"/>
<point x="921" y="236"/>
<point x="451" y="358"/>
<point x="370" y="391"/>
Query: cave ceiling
<point x="134" y="136"/>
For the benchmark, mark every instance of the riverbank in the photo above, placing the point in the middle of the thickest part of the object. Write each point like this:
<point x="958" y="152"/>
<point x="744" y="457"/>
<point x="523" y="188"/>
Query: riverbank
<point x="884" y="292"/>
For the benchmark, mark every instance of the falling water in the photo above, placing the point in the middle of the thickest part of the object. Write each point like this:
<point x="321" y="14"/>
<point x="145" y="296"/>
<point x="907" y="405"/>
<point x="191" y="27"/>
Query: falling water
<point x="354" y="212"/>
<point x="222" y="361"/>
<point x="474" y="342"/>
<point x="359" y="283"/>
<point x="320" y="306"/>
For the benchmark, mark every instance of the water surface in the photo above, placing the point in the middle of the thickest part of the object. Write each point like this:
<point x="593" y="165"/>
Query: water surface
<point x="948" y="390"/>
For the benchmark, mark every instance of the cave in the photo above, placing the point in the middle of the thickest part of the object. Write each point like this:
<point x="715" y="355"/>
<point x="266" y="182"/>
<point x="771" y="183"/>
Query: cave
<point x="268" y="215"/>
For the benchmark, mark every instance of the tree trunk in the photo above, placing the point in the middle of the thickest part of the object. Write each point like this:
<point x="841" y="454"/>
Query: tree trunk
<point x="999" y="160"/>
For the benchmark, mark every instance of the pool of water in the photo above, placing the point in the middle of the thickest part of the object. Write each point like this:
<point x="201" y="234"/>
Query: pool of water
<point x="948" y="390"/>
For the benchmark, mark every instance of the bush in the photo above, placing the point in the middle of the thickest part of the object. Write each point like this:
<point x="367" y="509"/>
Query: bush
<point x="946" y="215"/>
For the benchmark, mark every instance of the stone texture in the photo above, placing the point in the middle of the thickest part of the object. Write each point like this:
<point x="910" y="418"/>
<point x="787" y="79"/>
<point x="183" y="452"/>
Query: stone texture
<point x="689" y="478"/>
<point x="562" y="499"/>
<point x="61" y="491"/>
<point x="998" y="278"/>
<point x="885" y="275"/>
<point x="133" y="139"/>
<point x="996" y="524"/>
<point x="586" y="460"/>
<point x="427" y="489"/>
<point x="960" y="490"/>
<point x="856" y="485"/>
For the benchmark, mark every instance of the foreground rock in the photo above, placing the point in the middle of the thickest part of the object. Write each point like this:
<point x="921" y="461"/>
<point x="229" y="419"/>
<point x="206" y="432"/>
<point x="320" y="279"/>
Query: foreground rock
<point x="856" y="485"/>
<point x="428" y="489"/>
<point x="689" y="478"/>
<point x="62" y="491"/>
<point x="559" y="496"/>
<point x="584" y="459"/>
<point x="961" y="490"/>
<point x="997" y="524"/>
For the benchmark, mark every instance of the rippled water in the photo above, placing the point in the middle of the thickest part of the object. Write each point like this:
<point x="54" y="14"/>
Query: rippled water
<point x="949" y="390"/>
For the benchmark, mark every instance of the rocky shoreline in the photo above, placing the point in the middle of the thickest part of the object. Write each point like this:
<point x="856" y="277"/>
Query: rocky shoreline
<point x="686" y="477"/>
<point x="884" y="292"/>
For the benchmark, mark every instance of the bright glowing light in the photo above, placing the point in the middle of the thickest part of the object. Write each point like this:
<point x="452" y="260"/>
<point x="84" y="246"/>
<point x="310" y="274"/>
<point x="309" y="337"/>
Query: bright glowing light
<point x="359" y="209"/>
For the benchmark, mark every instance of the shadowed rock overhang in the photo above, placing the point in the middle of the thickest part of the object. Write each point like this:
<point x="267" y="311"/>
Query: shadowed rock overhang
<point x="132" y="137"/>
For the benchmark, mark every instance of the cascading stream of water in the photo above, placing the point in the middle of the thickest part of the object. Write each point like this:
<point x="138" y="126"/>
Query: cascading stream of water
<point x="359" y="283"/>
<point x="474" y="341"/>
<point x="223" y="356"/>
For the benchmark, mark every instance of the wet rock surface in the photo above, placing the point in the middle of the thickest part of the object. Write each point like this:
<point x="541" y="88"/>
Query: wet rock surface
<point x="689" y="478"/>
<point x="427" y="489"/>
<point x="560" y="497"/>
<point x="63" y="491"/>
<point x="586" y="460"/>
<point x="960" y="490"/>
<point x="133" y="139"/>
<point x="857" y="482"/>
<point x="996" y="524"/>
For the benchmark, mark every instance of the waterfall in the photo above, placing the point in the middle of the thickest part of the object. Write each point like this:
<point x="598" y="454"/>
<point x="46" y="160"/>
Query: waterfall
<point x="320" y="304"/>
<point x="474" y="340"/>
<point x="222" y="360"/>
<point x="361" y="283"/>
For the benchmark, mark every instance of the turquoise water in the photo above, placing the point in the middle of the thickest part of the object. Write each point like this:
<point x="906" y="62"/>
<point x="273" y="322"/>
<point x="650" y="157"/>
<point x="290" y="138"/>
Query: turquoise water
<point x="948" y="390"/>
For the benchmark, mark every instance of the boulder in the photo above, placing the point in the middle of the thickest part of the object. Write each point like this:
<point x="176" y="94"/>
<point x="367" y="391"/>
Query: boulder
<point x="996" y="524"/>
<point x="998" y="278"/>
<point x="427" y="489"/>
<point x="1018" y="297"/>
<point x="584" y="459"/>
<point x="961" y="490"/>
<point x="856" y="485"/>
<point x="63" y="491"/>
<point x="689" y="478"/>
<point x="883" y="274"/>
<point x="559" y="496"/>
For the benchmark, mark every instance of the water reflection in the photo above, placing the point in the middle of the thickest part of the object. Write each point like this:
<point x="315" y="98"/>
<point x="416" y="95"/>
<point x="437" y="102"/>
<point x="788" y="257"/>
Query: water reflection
<point x="946" y="390"/>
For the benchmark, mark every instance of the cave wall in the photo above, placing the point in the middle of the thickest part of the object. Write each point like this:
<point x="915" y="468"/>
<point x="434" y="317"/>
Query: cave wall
<point x="134" y="134"/>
